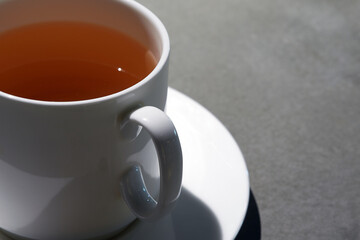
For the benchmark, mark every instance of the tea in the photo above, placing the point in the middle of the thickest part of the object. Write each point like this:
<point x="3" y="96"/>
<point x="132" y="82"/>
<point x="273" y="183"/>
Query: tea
<point x="70" y="61"/>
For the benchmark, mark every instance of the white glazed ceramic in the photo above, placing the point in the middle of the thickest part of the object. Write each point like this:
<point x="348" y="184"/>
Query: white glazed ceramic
<point x="76" y="170"/>
<point x="215" y="173"/>
<point x="209" y="207"/>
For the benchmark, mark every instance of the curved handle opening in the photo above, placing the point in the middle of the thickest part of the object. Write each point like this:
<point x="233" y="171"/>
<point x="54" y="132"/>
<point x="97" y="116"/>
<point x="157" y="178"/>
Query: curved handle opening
<point x="167" y="144"/>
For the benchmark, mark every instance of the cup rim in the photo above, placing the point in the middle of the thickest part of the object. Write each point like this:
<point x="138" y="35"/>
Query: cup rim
<point x="165" y="41"/>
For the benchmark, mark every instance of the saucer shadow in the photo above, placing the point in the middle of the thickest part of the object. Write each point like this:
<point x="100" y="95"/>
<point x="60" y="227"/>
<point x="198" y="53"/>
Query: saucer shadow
<point x="190" y="219"/>
<point x="251" y="227"/>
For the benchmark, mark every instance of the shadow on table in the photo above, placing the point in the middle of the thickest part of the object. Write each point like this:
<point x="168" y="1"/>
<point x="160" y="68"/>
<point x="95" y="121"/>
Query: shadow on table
<point x="251" y="228"/>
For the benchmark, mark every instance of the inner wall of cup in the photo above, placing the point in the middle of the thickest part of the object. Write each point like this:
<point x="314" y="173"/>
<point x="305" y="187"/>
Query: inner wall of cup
<point x="125" y="16"/>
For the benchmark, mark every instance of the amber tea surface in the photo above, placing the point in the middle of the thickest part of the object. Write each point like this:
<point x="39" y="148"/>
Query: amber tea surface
<point x="70" y="61"/>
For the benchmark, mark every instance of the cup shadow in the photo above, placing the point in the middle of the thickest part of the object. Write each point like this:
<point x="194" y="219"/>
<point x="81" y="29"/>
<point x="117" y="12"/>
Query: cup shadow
<point x="190" y="219"/>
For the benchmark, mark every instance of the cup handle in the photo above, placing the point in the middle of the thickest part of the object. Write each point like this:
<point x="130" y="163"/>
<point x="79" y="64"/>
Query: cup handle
<point x="167" y="144"/>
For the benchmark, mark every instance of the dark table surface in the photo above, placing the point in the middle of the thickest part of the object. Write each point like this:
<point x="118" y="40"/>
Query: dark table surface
<point x="284" y="77"/>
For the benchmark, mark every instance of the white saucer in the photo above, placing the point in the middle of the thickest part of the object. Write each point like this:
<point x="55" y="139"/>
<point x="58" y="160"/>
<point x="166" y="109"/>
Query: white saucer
<point x="216" y="187"/>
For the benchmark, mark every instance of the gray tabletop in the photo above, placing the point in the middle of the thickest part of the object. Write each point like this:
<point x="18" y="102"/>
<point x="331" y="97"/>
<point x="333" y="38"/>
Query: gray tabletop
<point x="284" y="77"/>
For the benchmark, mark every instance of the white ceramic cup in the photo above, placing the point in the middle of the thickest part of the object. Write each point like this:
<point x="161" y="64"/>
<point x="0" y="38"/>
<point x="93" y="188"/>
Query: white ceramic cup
<point x="76" y="170"/>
